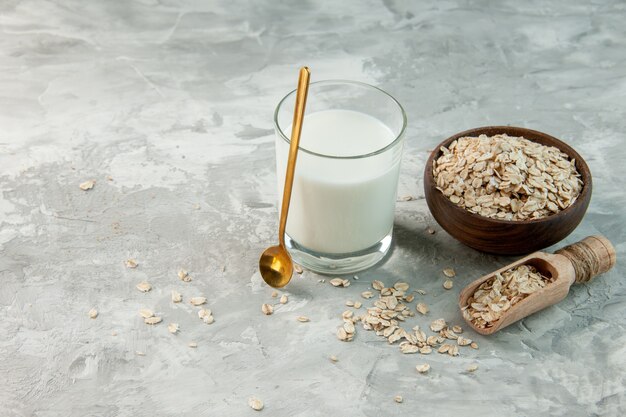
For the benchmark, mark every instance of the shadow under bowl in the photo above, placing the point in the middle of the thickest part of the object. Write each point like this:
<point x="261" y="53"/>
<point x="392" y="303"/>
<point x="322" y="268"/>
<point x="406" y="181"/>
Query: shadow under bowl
<point x="505" y="237"/>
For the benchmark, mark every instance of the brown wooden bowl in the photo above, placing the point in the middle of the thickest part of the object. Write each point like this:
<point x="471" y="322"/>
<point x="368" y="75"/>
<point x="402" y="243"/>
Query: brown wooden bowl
<point x="506" y="237"/>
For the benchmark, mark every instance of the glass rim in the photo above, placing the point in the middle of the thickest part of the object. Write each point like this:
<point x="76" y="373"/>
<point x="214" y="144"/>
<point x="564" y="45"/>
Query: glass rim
<point x="390" y="145"/>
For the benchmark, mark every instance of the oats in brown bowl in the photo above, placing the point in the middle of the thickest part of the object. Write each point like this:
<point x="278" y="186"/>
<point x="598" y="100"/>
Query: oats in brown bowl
<point x="506" y="177"/>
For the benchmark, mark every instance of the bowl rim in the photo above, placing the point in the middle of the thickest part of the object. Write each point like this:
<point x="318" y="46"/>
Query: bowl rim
<point x="585" y="172"/>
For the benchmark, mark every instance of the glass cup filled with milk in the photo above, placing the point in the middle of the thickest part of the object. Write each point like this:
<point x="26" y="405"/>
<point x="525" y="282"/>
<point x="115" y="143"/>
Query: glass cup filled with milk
<point x="344" y="192"/>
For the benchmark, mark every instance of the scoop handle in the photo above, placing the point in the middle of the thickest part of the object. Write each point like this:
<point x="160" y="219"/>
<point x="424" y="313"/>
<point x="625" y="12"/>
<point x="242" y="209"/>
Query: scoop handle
<point x="591" y="256"/>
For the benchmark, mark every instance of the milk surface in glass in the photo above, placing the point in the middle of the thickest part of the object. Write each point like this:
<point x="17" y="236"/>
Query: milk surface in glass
<point x="341" y="207"/>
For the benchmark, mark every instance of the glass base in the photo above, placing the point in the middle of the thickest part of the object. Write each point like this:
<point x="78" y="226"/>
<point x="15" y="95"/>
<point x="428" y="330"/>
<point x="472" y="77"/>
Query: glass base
<point x="338" y="264"/>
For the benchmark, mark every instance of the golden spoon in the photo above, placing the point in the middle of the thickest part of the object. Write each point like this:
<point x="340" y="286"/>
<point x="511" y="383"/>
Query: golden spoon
<point x="275" y="263"/>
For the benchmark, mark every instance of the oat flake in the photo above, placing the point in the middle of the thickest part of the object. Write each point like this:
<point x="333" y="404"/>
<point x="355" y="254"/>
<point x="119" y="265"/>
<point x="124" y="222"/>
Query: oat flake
<point x="87" y="185"/>
<point x="255" y="403"/>
<point x="146" y="313"/>
<point x="267" y="309"/>
<point x="449" y="272"/>
<point x="152" y="320"/>
<point x="176" y="297"/>
<point x="422" y="369"/>
<point x="131" y="263"/>
<point x="197" y="301"/>
<point x="183" y="275"/>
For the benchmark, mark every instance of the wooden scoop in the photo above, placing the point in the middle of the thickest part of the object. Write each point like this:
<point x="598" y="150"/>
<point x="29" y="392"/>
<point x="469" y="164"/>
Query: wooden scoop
<point x="579" y="263"/>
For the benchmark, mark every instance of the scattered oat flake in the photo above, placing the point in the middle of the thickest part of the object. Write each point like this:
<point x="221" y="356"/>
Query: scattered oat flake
<point x="357" y="304"/>
<point x="398" y="398"/>
<point x="474" y="345"/>
<point x="255" y="403"/>
<point x="407" y="348"/>
<point x="421" y="292"/>
<point x="152" y="320"/>
<point x="87" y="185"/>
<point x="303" y="319"/>
<point x="173" y="328"/>
<point x="193" y="345"/>
<point x="144" y="286"/>
<point x="197" y="301"/>
<point x="274" y="294"/>
<point x="401" y="286"/>
<point x="284" y="299"/>
<point x="140" y="353"/>
<point x="183" y="275"/>
<point x="437" y="325"/>
<point x="145" y="313"/>
<point x="432" y="340"/>
<point x="176" y="296"/>
<point x="472" y="367"/>
<point x="422" y="308"/>
<point x="267" y="309"/>
<point x="297" y="268"/>
<point x="449" y="272"/>
<point x="206" y="315"/>
<point x="336" y="282"/>
<point x="345" y="282"/>
<point x="113" y="333"/>
<point x="463" y="341"/>
<point x="453" y="350"/>
<point x="333" y="358"/>
<point x="93" y="313"/>
<point x="348" y="326"/>
<point x="425" y="350"/>
<point x="457" y="329"/>
<point x="444" y="348"/>
<point x="422" y="369"/>
<point x="350" y="303"/>
<point x="448" y="284"/>
<point x="367" y="294"/>
<point x="377" y="285"/>
<point x="430" y="231"/>
<point x="343" y="335"/>
<point x="131" y="263"/>
<point x="203" y="312"/>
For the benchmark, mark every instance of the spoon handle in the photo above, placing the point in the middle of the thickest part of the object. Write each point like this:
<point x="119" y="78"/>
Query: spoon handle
<point x="298" y="115"/>
<point x="591" y="256"/>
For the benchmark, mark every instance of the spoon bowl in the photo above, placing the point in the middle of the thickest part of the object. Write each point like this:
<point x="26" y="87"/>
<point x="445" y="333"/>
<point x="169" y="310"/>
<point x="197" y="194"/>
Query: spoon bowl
<point x="276" y="266"/>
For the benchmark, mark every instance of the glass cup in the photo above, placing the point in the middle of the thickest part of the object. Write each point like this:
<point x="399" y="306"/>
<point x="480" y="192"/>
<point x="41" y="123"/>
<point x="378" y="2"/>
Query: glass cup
<point x="346" y="178"/>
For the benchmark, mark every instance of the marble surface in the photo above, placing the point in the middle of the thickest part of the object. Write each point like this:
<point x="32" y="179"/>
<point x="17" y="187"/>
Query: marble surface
<point x="173" y="100"/>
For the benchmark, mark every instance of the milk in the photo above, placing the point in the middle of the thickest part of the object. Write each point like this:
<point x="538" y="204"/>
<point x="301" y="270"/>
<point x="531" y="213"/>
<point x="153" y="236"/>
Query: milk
<point x="341" y="205"/>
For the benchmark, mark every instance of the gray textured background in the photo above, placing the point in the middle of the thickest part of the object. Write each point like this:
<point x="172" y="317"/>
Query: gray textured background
<point x="173" y="100"/>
